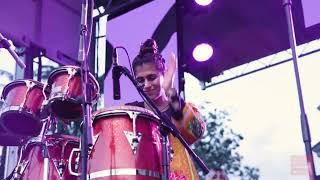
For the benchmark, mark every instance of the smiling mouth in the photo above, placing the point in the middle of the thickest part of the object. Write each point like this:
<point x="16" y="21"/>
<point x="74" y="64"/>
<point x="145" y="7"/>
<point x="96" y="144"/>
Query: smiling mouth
<point x="150" y="92"/>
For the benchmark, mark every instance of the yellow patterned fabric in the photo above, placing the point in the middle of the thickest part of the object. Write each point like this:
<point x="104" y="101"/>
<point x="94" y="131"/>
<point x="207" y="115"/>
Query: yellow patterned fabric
<point x="191" y="127"/>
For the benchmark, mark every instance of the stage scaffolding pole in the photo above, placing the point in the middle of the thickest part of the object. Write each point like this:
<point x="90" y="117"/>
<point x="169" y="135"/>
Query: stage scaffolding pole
<point x="303" y="117"/>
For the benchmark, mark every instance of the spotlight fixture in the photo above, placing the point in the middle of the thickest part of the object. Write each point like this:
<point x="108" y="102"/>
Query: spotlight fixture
<point x="202" y="52"/>
<point x="203" y="2"/>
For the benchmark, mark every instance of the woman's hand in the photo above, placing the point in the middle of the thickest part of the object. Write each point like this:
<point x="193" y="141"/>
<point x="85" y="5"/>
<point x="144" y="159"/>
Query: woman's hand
<point x="170" y="73"/>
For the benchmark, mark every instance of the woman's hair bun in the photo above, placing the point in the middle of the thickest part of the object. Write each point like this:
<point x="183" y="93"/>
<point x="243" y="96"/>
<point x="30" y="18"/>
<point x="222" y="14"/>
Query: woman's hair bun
<point x="149" y="46"/>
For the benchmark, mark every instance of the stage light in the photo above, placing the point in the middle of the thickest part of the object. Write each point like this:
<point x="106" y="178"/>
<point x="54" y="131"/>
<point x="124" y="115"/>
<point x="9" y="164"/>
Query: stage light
<point x="203" y="2"/>
<point x="202" y="52"/>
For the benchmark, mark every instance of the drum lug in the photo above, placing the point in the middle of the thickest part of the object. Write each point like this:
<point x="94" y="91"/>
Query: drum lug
<point x="133" y="137"/>
<point x="18" y="171"/>
<point x="29" y="85"/>
<point x="133" y="140"/>
<point x="60" y="167"/>
<point x="71" y="72"/>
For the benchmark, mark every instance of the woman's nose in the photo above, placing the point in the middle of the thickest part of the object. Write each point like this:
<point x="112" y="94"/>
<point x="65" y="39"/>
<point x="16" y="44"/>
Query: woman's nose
<point x="147" y="84"/>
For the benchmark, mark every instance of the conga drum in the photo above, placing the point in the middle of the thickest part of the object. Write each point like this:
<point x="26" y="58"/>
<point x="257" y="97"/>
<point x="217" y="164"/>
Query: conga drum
<point x="127" y="144"/>
<point x="66" y="93"/>
<point x="20" y="113"/>
<point x="31" y="160"/>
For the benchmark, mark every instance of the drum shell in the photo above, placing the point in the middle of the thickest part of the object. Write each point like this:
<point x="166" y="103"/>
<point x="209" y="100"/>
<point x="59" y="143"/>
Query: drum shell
<point x="59" y="149"/>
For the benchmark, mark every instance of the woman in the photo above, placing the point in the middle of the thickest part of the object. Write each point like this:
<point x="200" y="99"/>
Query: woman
<point x="151" y="74"/>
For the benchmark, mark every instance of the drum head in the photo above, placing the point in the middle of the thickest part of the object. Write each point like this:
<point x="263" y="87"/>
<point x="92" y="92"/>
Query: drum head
<point x="122" y="110"/>
<point x="65" y="69"/>
<point x="8" y="139"/>
<point x="59" y="107"/>
<point x="21" y="82"/>
<point x="15" y="122"/>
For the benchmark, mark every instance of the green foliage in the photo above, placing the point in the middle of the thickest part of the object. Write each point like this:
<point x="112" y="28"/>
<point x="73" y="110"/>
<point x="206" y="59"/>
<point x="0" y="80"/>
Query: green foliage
<point x="70" y="129"/>
<point x="218" y="147"/>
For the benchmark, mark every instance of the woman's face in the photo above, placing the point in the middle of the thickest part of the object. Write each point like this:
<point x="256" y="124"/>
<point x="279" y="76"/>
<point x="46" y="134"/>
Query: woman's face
<point x="150" y="79"/>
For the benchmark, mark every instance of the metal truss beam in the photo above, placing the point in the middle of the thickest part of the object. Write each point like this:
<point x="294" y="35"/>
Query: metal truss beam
<point x="263" y="65"/>
<point x="117" y="8"/>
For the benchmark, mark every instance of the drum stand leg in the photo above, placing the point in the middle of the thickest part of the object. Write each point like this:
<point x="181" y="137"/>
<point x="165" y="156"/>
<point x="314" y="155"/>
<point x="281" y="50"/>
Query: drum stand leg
<point x="44" y="147"/>
<point x="165" y="154"/>
<point x="45" y="161"/>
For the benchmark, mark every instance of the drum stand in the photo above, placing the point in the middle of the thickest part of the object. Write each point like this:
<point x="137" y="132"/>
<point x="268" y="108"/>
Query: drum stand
<point x="46" y="157"/>
<point x="45" y="161"/>
<point x="166" y="127"/>
<point x="87" y="132"/>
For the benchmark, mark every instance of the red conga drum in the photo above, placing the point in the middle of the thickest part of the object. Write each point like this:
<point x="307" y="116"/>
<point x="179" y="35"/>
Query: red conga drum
<point x="30" y="165"/>
<point x="127" y="144"/>
<point x="20" y="113"/>
<point x="66" y="92"/>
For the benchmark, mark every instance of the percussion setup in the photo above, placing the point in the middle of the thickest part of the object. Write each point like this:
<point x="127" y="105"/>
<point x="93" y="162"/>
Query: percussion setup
<point x="126" y="141"/>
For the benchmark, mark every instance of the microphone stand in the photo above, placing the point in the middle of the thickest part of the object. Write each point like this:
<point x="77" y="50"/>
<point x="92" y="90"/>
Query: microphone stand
<point x="303" y="117"/>
<point x="5" y="43"/>
<point x="166" y="126"/>
<point x="87" y="134"/>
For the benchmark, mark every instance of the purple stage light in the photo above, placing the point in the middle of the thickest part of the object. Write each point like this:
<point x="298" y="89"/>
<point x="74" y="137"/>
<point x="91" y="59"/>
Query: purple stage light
<point x="203" y="2"/>
<point x="202" y="52"/>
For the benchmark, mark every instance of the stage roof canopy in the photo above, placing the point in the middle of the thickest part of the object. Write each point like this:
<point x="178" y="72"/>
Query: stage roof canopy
<point x="243" y="31"/>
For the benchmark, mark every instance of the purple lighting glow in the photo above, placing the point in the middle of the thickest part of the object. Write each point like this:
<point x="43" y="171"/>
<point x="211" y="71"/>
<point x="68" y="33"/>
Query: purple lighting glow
<point x="202" y="52"/>
<point x="203" y="2"/>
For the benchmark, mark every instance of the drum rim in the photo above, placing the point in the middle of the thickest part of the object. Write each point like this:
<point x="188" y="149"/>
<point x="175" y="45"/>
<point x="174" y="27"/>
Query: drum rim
<point x="124" y="172"/>
<point x="18" y="109"/>
<point x="124" y="109"/>
<point x="66" y="137"/>
<point x="121" y="112"/>
<point x="6" y="89"/>
<point x="64" y="68"/>
<point x="69" y="138"/>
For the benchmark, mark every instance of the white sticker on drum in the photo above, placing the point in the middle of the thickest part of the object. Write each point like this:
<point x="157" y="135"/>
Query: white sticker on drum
<point x="133" y="140"/>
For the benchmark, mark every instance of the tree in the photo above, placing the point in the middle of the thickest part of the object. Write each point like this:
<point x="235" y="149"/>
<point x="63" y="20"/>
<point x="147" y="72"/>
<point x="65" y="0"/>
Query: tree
<point x="218" y="147"/>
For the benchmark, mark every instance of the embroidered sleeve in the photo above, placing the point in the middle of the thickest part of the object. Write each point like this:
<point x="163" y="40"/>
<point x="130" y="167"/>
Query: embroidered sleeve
<point x="191" y="126"/>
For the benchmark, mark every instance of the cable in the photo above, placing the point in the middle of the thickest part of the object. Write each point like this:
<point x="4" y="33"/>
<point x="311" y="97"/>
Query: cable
<point x="125" y="50"/>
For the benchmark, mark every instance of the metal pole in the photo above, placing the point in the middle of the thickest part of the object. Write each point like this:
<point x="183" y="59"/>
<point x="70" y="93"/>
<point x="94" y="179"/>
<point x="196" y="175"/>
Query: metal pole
<point x="46" y="168"/>
<point x="303" y="117"/>
<point x="86" y="138"/>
